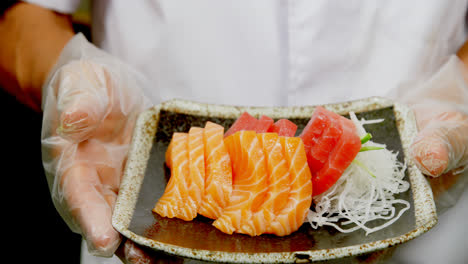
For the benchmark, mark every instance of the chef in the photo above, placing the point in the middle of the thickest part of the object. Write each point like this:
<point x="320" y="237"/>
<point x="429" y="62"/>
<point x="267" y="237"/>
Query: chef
<point x="251" y="53"/>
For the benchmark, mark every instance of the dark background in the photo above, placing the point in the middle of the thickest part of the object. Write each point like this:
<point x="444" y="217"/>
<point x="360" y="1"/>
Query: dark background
<point x="35" y="231"/>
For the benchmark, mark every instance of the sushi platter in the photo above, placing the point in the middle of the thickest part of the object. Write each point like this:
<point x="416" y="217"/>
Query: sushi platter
<point x="147" y="175"/>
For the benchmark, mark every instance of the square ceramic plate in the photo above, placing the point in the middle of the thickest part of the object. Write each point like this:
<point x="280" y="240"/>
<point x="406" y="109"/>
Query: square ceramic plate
<point x="145" y="178"/>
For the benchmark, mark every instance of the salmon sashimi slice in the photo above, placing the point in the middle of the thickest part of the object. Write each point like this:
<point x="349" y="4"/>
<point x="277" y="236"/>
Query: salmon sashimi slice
<point x="244" y="122"/>
<point x="175" y="201"/>
<point x="278" y="181"/>
<point x="196" y="180"/>
<point x="250" y="184"/>
<point x="218" y="172"/>
<point x="168" y="153"/>
<point x="284" y="127"/>
<point x="339" y="159"/>
<point x="324" y="144"/>
<point x="300" y="197"/>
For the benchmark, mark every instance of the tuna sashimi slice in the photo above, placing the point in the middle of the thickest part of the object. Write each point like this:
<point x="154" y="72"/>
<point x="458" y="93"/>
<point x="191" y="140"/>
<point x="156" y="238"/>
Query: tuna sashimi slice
<point x="218" y="172"/>
<point x="249" y="184"/>
<point x="263" y="124"/>
<point x="293" y="214"/>
<point x="324" y="144"/>
<point x="284" y="127"/>
<point x="196" y="164"/>
<point x="315" y="127"/>
<point x="340" y="158"/>
<point x="176" y="202"/>
<point x="244" y="122"/>
<point x="278" y="181"/>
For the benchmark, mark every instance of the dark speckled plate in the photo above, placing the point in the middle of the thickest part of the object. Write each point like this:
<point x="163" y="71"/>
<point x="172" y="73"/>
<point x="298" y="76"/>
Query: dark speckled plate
<point x="145" y="178"/>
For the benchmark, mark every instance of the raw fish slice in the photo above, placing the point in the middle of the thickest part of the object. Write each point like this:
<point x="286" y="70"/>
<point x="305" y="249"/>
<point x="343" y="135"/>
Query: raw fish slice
<point x="278" y="181"/>
<point x="225" y="224"/>
<point x="263" y="124"/>
<point x="300" y="197"/>
<point x="218" y="172"/>
<point x="249" y="184"/>
<point x="168" y="154"/>
<point x="244" y="122"/>
<point x="340" y="158"/>
<point x="324" y="144"/>
<point x="175" y="202"/>
<point x="314" y="128"/>
<point x="196" y="164"/>
<point x="284" y="127"/>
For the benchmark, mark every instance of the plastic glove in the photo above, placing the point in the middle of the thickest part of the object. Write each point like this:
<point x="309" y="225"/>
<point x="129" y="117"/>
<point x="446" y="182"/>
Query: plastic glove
<point x="90" y="105"/>
<point x="441" y="109"/>
<point x="441" y="146"/>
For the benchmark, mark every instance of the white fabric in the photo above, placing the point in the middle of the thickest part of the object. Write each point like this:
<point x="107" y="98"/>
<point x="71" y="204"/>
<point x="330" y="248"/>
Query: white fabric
<point x="274" y="52"/>
<point x="65" y="7"/>
<point x="279" y="52"/>
<point x="211" y="51"/>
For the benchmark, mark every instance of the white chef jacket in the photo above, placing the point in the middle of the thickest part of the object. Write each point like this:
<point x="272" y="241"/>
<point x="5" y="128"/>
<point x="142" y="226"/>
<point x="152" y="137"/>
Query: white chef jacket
<point x="281" y="53"/>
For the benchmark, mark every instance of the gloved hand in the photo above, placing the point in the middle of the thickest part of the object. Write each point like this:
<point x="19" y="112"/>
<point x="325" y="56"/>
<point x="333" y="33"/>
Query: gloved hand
<point x="90" y="105"/>
<point x="441" y="146"/>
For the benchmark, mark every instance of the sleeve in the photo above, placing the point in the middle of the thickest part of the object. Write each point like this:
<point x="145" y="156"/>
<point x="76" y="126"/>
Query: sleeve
<point x="61" y="6"/>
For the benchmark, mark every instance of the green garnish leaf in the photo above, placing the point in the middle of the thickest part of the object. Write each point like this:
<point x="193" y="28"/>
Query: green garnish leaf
<point x="366" y="138"/>
<point x="367" y="148"/>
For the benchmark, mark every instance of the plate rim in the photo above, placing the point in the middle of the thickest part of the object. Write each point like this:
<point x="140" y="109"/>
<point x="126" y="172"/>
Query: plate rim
<point x="143" y="138"/>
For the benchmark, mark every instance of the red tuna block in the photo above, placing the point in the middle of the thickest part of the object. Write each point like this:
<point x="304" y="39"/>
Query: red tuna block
<point x="331" y="143"/>
<point x="263" y="124"/>
<point x="339" y="159"/>
<point x="324" y="144"/>
<point x="244" y="122"/>
<point x="315" y="127"/>
<point x="284" y="128"/>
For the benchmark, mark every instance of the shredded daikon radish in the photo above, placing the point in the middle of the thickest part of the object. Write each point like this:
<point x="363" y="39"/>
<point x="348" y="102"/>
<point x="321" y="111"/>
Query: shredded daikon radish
<point x="365" y="192"/>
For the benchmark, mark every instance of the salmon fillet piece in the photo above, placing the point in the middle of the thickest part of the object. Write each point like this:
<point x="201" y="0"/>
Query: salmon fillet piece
<point x="250" y="184"/>
<point x="278" y="181"/>
<point x="175" y="202"/>
<point x="218" y="172"/>
<point x="196" y="180"/>
<point x="300" y="197"/>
